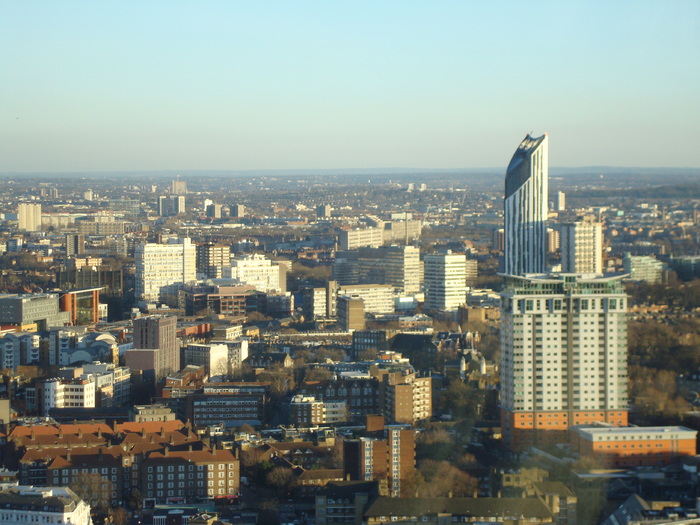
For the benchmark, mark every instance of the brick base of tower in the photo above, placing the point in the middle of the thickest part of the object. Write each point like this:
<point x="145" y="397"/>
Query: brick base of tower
<point x="522" y="429"/>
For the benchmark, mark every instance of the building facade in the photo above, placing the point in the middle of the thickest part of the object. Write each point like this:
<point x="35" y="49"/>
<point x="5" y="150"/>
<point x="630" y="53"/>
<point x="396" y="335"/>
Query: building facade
<point x="391" y="457"/>
<point x="563" y="356"/>
<point x="163" y="269"/>
<point x="159" y="333"/>
<point x="643" y="268"/>
<point x="29" y="217"/>
<point x="28" y="504"/>
<point x="445" y="281"/>
<point x="631" y="447"/>
<point x="526" y="207"/>
<point x="582" y="246"/>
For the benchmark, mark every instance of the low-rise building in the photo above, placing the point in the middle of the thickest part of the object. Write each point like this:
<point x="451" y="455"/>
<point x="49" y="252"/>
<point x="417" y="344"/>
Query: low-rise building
<point x="634" y="446"/>
<point x="190" y="476"/>
<point x="29" y="504"/>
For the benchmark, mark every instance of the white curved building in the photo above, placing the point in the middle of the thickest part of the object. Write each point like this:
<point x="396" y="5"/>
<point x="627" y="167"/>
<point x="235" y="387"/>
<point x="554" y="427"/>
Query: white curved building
<point x="526" y="207"/>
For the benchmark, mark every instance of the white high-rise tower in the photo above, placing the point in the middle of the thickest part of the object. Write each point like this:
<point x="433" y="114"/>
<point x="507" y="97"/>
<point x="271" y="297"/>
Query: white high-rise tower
<point x="563" y="356"/>
<point x="163" y="269"/>
<point x="526" y="203"/>
<point x="582" y="246"/>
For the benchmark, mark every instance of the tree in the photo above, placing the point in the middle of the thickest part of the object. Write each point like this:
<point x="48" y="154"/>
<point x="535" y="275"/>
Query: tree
<point x="247" y="429"/>
<point x="119" y="516"/>
<point x="369" y="354"/>
<point x="281" y="478"/>
<point x="443" y="479"/>
<point x="317" y="374"/>
<point x="94" y="489"/>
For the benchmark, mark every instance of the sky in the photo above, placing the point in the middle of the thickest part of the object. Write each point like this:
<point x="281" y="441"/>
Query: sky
<point x="242" y="85"/>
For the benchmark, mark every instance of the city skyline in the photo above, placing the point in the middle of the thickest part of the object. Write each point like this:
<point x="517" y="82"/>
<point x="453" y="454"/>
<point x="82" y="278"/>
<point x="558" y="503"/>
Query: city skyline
<point x="266" y="86"/>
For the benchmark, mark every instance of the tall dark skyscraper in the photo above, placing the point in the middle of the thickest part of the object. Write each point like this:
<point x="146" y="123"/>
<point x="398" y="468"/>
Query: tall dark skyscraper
<point x="526" y="203"/>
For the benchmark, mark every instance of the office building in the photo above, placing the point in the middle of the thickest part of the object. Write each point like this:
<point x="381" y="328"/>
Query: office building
<point x="32" y="311"/>
<point x="163" y="269"/>
<point x="159" y="334"/>
<point x="398" y="266"/>
<point x="64" y="393"/>
<point x="232" y="404"/>
<point x="82" y="305"/>
<point x="582" y="246"/>
<point x="563" y="356"/>
<point x="643" y="268"/>
<point x="75" y="244"/>
<point x="444" y="281"/>
<point x="29" y="217"/>
<point x="526" y="207"/>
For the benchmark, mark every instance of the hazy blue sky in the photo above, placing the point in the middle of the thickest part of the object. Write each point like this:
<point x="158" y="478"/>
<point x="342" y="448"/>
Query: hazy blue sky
<point x="149" y="85"/>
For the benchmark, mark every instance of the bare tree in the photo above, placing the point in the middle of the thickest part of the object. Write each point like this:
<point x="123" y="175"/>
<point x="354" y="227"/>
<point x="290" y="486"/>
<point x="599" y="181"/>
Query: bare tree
<point x="281" y="478"/>
<point x="94" y="489"/>
<point x="119" y="516"/>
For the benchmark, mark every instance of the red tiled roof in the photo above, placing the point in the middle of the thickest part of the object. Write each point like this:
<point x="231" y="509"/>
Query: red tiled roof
<point x="196" y="456"/>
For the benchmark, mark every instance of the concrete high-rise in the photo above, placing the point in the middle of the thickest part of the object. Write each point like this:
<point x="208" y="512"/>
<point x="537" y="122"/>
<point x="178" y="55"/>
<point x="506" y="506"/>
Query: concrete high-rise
<point x="445" y="281"/>
<point x="75" y="244"/>
<point x="563" y="356"/>
<point x="159" y="333"/>
<point x="163" y="269"/>
<point x="211" y="258"/>
<point x="29" y="217"/>
<point x="525" y="210"/>
<point x="582" y="246"/>
<point x="171" y="205"/>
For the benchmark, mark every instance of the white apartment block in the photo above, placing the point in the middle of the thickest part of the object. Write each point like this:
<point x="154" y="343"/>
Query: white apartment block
<point x="64" y="393"/>
<point x="563" y="351"/>
<point x="163" y="269"/>
<point x="29" y="217"/>
<point x="378" y="298"/>
<point x="213" y="357"/>
<point x="582" y="246"/>
<point x="445" y="281"/>
<point x="255" y="270"/>
<point x="643" y="268"/>
<point x="353" y="239"/>
<point x="113" y="382"/>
